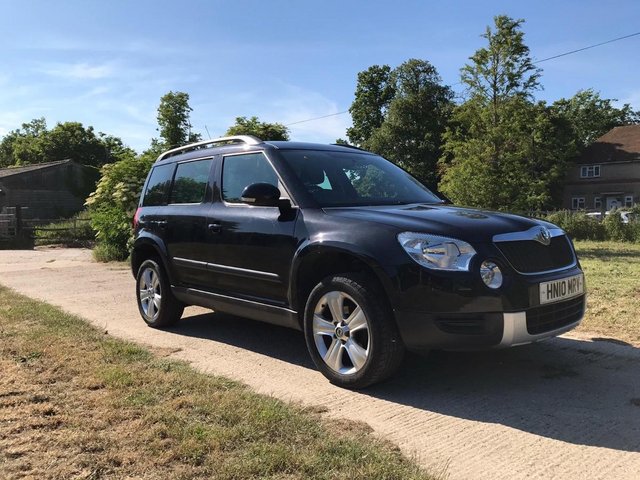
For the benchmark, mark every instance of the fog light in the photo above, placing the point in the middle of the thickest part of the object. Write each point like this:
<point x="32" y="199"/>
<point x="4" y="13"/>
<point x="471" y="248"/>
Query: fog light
<point x="491" y="274"/>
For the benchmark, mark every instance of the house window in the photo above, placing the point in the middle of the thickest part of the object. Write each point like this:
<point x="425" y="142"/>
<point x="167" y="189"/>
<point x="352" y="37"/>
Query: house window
<point x="597" y="203"/>
<point x="577" y="203"/>
<point x="589" y="171"/>
<point x="628" y="201"/>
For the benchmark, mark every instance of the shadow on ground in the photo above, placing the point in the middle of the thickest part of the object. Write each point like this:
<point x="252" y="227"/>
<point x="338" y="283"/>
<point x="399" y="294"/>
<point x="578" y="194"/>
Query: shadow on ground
<point x="565" y="389"/>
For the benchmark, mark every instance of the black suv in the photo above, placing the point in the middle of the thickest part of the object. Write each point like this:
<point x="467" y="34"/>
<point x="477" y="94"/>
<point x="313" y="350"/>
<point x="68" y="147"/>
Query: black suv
<point x="349" y="248"/>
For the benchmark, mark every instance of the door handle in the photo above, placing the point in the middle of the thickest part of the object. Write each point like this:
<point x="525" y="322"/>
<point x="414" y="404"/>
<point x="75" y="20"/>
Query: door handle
<point x="215" y="227"/>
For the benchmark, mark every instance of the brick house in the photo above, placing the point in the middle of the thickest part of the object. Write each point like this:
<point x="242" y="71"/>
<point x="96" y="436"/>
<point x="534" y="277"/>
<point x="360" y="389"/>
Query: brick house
<point x="607" y="174"/>
<point x="47" y="190"/>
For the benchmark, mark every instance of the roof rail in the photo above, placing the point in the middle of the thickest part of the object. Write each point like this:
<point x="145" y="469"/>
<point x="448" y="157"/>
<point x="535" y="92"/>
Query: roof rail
<point x="346" y="145"/>
<point x="247" y="139"/>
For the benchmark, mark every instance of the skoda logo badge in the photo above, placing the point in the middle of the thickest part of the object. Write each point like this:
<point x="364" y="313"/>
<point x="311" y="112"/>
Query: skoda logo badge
<point x="544" y="236"/>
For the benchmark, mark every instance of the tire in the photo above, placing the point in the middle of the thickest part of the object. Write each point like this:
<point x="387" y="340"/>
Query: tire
<point x="350" y="331"/>
<point x="156" y="303"/>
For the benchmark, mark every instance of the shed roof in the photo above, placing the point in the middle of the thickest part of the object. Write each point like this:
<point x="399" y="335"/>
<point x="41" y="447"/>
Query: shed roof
<point x="617" y="145"/>
<point x="7" y="172"/>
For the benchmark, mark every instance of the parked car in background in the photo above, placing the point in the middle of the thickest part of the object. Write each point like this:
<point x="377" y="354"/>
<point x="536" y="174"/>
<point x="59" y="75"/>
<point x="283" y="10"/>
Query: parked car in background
<point x="625" y="215"/>
<point x="349" y="248"/>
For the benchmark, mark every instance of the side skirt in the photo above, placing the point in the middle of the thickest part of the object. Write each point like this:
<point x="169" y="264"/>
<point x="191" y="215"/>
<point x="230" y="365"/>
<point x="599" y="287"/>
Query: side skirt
<point x="238" y="306"/>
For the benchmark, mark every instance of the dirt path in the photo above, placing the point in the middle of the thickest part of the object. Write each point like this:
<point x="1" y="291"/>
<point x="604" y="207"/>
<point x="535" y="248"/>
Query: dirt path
<point x="566" y="408"/>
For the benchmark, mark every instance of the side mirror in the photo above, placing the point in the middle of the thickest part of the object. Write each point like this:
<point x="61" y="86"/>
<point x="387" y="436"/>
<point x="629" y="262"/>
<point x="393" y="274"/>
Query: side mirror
<point x="261" y="195"/>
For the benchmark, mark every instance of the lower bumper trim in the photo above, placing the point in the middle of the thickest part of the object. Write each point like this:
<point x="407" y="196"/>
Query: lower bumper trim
<point x="515" y="330"/>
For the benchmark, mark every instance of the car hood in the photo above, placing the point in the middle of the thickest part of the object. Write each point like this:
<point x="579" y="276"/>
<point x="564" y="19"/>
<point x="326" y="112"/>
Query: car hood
<point x="467" y="224"/>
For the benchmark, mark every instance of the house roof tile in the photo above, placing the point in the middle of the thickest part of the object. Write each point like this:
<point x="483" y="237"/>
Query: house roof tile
<point x="617" y="145"/>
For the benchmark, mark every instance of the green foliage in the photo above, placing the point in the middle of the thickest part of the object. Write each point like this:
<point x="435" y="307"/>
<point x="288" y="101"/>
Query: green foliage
<point x="114" y="203"/>
<point x="578" y="225"/>
<point x="34" y="143"/>
<point x="401" y="114"/>
<point x="262" y="130"/>
<point x="502" y="150"/>
<point x="504" y="68"/>
<point x="616" y="229"/>
<point x="73" y="232"/>
<point x="173" y="120"/>
<point x="634" y="231"/>
<point x="591" y="116"/>
<point x="374" y="92"/>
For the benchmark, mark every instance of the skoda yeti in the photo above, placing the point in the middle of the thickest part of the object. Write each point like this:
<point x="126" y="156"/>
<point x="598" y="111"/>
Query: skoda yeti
<point x="349" y="248"/>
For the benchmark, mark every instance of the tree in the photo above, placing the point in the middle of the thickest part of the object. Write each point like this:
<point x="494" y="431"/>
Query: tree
<point x="504" y="68"/>
<point x="34" y="143"/>
<point x="502" y="150"/>
<point x="416" y="118"/>
<point x="374" y="91"/>
<point x="591" y="116"/>
<point x="263" y="130"/>
<point x="23" y="146"/>
<point x="114" y="202"/>
<point x="401" y="114"/>
<point x="173" y="120"/>
<point x="72" y="140"/>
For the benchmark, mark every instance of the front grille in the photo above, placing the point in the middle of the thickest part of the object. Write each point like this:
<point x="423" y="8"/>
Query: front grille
<point x="546" y="318"/>
<point x="530" y="256"/>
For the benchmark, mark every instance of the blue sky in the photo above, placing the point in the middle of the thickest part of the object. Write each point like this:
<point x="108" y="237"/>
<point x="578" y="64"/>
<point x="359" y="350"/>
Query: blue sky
<point x="107" y="63"/>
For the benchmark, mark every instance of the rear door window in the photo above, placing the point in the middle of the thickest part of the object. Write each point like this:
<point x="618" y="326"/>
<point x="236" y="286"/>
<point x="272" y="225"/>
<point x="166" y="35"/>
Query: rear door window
<point x="158" y="186"/>
<point x="190" y="181"/>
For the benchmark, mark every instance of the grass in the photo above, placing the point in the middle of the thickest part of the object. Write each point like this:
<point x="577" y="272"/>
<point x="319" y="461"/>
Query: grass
<point x="612" y="272"/>
<point x="77" y="403"/>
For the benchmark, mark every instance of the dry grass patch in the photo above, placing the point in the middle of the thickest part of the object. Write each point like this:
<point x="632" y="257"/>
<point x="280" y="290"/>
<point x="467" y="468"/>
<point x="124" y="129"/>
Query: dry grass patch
<point x="75" y="403"/>
<point x="612" y="273"/>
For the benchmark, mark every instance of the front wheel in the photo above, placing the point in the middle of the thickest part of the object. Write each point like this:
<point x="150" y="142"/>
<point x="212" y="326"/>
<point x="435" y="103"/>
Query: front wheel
<point x="156" y="303"/>
<point x="350" y="332"/>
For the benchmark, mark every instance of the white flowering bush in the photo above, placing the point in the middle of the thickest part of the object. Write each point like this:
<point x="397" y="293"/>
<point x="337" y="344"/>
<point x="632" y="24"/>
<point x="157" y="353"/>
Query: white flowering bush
<point x="113" y="205"/>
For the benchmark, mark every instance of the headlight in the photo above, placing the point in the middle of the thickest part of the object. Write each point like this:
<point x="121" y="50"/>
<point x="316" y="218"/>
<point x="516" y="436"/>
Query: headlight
<point x="491" y="274"/>
<point x="436" y="252"/>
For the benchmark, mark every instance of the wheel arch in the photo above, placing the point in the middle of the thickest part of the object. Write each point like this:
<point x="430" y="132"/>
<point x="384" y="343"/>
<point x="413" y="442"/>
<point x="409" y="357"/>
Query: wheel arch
<point x="317" y="261"/>
<point x="146" y="247"/>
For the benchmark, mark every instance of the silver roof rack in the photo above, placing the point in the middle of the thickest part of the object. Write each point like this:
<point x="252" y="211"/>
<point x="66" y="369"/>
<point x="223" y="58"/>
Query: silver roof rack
<point x="246" y="139"/>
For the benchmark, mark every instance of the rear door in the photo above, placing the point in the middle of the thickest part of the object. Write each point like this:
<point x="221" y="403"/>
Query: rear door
<point x="153" y="216"/>
<point x="189" y="205"/>
<point x="252" y="247"/>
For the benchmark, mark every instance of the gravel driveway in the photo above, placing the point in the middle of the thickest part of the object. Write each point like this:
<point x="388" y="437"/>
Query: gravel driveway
<point x="565" y="408"/>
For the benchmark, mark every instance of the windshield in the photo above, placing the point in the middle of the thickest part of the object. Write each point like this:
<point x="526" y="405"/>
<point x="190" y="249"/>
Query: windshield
<point x="342" y="179"/>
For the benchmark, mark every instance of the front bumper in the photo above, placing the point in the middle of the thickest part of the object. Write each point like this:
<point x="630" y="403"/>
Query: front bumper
<point x="472" y="331"/>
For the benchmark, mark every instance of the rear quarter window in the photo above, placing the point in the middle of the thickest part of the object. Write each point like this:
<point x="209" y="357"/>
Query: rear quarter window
<point x="158" y="186"/>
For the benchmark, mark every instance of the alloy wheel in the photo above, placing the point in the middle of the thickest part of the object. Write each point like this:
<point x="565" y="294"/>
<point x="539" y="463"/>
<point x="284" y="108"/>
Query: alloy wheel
<point x="150" y="293"/>
<point x="341" y="332"/>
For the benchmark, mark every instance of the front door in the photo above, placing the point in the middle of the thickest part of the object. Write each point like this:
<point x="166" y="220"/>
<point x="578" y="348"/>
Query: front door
<point x="252" y="246"/>
<point x="613" y="202"/>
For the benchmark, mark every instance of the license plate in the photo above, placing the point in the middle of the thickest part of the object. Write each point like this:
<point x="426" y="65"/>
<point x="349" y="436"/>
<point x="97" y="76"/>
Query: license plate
<point x="561" y="289"/>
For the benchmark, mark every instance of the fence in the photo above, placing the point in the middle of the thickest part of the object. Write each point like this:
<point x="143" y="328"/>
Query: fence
<point x="17" y="232"/>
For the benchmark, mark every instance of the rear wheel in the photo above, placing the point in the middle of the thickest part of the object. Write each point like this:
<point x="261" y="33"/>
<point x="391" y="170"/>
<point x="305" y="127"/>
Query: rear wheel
<point x="156" y="303"/>
<point x="350" y="332"/>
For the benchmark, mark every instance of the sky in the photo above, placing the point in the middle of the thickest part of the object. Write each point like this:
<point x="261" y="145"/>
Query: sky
<point x="107" y="63"/>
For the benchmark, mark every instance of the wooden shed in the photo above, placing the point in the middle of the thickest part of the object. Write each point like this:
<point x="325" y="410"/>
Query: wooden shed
<point x="47" y="190"/>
